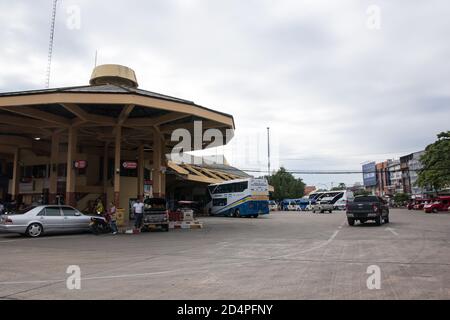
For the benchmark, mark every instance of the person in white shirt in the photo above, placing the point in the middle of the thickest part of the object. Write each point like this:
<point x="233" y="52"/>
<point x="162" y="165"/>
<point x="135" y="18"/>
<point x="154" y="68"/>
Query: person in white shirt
<point x="113" y="218"/>
<point x="138" y="208"/>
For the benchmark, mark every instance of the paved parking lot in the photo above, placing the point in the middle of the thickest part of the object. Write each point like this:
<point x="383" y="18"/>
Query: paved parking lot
<point x="282" y="256"/>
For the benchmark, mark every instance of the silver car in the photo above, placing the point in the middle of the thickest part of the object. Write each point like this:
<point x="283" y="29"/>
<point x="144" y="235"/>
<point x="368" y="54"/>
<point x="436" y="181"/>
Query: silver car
<point x="323" y="205"/>
<point x="35" y="221"/>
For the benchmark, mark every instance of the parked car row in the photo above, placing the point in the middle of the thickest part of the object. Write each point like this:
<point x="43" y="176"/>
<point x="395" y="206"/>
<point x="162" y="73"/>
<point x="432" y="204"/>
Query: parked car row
<point x="323" y="205"/>
<point x="431" y="205"/>
<point x="296" y="205"/>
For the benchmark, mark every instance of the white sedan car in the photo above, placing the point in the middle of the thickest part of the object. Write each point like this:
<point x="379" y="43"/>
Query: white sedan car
<point x="273" y="206"/>
<point x="36" y="221"/>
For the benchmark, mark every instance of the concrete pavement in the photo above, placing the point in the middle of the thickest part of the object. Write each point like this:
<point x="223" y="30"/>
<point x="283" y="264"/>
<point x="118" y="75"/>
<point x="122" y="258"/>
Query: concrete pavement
<point x="281" y="256"/>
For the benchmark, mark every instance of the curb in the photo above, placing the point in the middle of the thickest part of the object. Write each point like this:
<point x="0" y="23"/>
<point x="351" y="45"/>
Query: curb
<point x="172" y="225"/>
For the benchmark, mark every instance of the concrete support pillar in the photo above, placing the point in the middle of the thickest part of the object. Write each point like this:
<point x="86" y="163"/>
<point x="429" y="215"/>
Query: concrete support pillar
<point x="156" y="168"/>
<point x="54" y="161"/>
<point x="141" y="168"/>
<point x="163" y="164"/>
<point x="3" y="167"/>
<point x="117" y="165"/>
<point x="105" y="172"/>
<point x="16" y="175"/>
<point x="71" y="176"/>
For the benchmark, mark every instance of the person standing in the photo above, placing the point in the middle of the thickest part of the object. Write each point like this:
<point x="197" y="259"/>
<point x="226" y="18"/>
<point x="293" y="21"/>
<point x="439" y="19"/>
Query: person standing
<point x="113" y="218"/>
<point x="138" y="208"/>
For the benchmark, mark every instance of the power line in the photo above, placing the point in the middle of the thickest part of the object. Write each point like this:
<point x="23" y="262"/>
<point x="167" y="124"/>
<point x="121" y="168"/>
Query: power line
<point x="339" y="171"/>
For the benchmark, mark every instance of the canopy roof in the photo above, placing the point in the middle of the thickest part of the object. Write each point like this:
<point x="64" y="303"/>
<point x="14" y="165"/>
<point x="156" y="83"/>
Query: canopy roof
<point x="212" y="173"/>
<point x="94" y="108"/>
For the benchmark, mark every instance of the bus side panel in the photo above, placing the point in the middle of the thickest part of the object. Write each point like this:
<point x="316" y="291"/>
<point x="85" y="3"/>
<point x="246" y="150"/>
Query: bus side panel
<point x="249" y="208"/>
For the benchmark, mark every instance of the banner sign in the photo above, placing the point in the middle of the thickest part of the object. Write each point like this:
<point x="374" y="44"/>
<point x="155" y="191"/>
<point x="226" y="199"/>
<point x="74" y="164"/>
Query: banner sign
<point x="129" y="165"/>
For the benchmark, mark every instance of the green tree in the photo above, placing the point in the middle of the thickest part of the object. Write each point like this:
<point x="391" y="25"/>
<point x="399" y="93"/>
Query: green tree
<point x="361" y="192"/>
<point x="400" y="198"/>
<point x="286" y="185"/>
<point x="435" y="173"/>
<point x="340" y="186"/>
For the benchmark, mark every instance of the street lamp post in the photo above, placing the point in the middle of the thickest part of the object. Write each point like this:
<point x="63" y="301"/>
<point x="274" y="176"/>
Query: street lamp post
<point x="268" y="151"/>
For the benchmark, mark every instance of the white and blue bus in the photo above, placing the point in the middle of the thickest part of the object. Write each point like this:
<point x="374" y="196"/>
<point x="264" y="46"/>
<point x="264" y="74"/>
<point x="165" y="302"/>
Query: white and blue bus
<point x="239" y="198"/>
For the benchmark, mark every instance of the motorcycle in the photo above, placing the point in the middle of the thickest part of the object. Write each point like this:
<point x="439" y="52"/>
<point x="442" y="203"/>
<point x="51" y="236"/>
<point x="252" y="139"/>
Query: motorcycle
<point x="99" y="225"/>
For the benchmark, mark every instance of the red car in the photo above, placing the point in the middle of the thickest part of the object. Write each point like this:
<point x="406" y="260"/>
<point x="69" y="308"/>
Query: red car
<point x="440" y="204"/>
<point x="418" y="204"/>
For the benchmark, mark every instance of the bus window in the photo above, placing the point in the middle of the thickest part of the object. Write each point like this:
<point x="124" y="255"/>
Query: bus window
<point x="211" y="189"/>
<point x="242" y="186"/>
<point x="219" y="202"/>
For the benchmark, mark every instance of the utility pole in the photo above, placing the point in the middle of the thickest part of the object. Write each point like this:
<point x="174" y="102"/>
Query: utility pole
<point x="268" y="151"/>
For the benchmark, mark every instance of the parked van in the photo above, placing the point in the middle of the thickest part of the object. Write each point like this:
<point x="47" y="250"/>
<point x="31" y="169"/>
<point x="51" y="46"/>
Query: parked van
<point x="289" y="205"/>
<point x="337" y="198"/>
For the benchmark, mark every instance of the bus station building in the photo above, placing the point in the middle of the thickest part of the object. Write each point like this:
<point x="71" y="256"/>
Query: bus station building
<point x="109" y="140"/>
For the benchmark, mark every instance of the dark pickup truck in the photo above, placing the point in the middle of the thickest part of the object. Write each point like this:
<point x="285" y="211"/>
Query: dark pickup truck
<point x="155" y="214"/>
<point x="364" y="208"/>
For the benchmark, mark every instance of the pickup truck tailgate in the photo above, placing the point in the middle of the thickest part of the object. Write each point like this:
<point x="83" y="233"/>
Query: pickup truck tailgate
<point x="360" y="207"/>
<point x="156" y="216"/>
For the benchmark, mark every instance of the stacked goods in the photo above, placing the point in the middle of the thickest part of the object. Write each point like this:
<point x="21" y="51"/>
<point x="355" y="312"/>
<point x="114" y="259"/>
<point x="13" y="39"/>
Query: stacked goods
<point x="185" y="225"/>
<point x="175" y="216"/>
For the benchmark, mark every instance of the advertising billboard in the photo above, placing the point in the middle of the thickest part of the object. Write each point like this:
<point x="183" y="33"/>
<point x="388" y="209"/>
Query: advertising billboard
<point x="369" y="174"/>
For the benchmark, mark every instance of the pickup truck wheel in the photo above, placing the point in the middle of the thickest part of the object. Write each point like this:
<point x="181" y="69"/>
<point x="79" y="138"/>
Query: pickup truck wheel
<point x="351" y="222"/>
<point x="379" y="220"/>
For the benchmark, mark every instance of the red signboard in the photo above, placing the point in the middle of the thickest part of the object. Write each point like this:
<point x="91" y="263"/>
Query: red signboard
<point x="80" y="164"/>
<point x="129" y="165"/>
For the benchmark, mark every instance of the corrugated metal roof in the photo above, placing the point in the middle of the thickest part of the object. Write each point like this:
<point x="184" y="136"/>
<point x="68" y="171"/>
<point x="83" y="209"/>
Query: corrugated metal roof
<point x="225" y="168"/>
<point x="107" y="88"/>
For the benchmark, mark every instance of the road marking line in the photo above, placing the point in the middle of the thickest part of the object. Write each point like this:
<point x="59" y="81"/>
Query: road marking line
<point x="392" y="230"/>
<point x="330" y="239"/>
<point x="135" y="275"/>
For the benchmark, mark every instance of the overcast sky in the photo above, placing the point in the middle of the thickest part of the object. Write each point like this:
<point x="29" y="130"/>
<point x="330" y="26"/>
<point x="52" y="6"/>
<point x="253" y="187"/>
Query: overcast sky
<point x="334" y="90"/>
